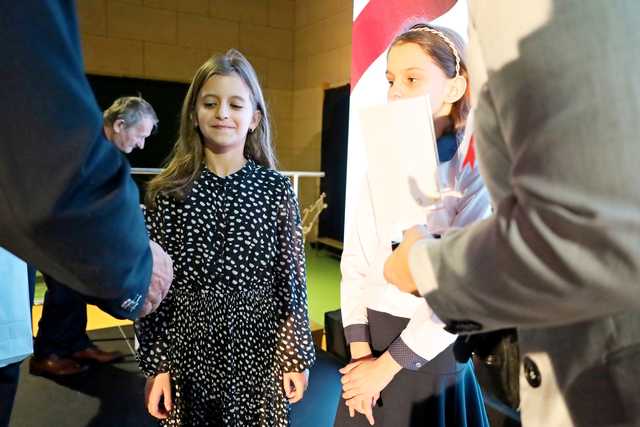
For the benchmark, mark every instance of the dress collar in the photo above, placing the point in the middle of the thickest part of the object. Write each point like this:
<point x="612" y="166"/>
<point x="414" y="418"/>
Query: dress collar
<point x="248" y="167"/>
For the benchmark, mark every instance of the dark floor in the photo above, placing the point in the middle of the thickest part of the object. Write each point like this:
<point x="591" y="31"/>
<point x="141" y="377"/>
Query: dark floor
<point x="112" y="395"/>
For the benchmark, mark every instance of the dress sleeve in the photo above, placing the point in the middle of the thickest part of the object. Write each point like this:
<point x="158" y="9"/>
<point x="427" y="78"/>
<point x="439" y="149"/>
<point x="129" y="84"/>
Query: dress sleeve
<point x="295" y="350"/>
<point x="152" y="331"/>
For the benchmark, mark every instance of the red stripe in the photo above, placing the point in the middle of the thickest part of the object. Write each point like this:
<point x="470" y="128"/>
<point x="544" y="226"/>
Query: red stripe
<point x="380" y="21"/>
<point x="470" y="157"/>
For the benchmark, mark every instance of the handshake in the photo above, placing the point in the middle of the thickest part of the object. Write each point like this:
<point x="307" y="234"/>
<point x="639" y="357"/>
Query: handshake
<point x="161" y="278"/>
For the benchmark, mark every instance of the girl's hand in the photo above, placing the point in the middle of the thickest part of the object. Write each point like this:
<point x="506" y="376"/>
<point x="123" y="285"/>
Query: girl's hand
<point x="359" y="349"/>
<point x="295" y="384"/>
<point x="368" y="377"/>
<point x="363" y="404"/>
<point x="157" y="396"/>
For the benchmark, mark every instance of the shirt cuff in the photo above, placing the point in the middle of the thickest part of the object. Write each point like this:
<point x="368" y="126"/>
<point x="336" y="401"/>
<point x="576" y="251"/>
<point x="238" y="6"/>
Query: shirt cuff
<point x="404" y="356"/>
<point x="421" y="267"/>
<point x="357" y="333"/>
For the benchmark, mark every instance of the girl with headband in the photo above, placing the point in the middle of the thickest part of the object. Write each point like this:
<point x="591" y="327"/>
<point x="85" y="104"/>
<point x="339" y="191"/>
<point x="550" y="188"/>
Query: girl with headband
<point x="403" y="371"/>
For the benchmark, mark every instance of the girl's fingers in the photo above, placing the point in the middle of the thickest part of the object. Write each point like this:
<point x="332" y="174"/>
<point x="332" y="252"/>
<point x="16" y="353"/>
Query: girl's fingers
<point x="297" y="396"/>
<point x="367" y="410"/>
<point x="153" y="405"/>
<point x="350" y="386"/>
<point x="168" y="402"/>
<point x="352" y="410"/>
<point x="298" y="382"/>
<point x="349" y="367"/>
<point x="350" y="377"/>
<point x="349" y="394"/>
<point x="288" y="388"/>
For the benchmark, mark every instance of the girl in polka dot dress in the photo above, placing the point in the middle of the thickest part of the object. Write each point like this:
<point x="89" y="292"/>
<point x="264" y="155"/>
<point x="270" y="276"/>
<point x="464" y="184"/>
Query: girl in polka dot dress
<point x="230" y="345"/>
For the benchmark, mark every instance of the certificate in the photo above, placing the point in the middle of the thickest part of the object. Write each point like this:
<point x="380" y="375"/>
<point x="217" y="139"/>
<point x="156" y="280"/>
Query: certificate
<point x="402" y="162"/>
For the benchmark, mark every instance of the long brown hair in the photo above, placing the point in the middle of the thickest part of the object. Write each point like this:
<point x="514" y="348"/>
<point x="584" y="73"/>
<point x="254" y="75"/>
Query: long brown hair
<point x="441" y="53"/>
<point x="187" y="158"/>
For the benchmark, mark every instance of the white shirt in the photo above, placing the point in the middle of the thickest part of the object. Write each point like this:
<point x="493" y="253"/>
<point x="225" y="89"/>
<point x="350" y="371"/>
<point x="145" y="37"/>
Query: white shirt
<point x="366" y="248"/>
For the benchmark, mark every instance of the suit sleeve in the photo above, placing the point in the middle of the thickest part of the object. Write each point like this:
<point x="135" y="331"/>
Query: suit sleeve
<point x="67" y="202"/>
<point x="563" y="244"/>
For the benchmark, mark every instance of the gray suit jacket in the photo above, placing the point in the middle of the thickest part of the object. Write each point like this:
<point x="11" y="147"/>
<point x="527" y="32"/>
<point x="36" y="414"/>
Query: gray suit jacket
<point x="557" y="124"/>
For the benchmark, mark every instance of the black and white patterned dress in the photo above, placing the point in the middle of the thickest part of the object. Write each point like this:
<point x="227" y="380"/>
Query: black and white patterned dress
<point x="236" y="316"/>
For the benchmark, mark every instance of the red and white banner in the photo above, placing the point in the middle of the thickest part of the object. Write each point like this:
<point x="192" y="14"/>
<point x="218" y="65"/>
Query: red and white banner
<point x="375" y="24"/>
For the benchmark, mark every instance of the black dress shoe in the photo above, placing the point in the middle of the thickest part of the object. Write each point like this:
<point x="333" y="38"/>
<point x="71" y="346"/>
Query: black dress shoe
<point x="96" y="355"/>
<point x="55" y="366"/>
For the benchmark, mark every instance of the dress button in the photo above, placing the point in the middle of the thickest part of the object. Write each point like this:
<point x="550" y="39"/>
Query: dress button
<point x="418" y="365"/>
<point x="531" y="372"/>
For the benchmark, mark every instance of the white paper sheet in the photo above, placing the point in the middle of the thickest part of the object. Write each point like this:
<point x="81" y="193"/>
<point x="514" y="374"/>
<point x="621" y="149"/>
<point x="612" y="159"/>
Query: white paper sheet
<point x="402" y="162"/>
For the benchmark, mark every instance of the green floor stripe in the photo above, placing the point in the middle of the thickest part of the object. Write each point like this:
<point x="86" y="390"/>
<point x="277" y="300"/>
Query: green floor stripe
<point x="323" y="283"/>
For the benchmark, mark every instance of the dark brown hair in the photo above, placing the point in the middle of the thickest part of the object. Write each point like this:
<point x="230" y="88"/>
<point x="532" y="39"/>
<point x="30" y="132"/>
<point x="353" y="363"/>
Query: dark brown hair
<point x="441" y="53"/>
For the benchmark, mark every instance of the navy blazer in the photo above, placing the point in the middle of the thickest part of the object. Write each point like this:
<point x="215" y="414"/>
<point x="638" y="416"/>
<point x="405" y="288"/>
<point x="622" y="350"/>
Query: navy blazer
<point x="67" y="201"/>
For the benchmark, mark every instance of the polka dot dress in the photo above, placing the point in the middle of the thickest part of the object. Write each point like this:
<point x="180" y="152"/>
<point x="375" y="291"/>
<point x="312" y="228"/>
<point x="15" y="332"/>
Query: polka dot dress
<point x="236" y="317"/>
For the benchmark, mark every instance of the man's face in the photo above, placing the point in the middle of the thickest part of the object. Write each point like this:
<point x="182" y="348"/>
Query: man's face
<point x="128" y="138"/>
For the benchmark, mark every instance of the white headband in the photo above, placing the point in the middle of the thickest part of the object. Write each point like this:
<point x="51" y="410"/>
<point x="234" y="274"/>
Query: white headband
<point x="446" y="40"/>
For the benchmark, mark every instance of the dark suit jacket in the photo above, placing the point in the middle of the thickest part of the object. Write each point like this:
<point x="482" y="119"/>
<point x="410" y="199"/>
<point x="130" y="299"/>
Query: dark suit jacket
<point x="67" y="201"/>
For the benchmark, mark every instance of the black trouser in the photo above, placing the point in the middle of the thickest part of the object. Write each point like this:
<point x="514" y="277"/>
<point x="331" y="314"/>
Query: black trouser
<point x="31" y="277"/>
<point x="9" y="376"/>
<point x="62" y="327"/>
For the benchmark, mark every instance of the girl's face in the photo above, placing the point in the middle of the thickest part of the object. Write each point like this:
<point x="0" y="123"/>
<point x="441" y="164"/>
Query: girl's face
<point x="412" y="73"/>
<point x="225" y="112"/>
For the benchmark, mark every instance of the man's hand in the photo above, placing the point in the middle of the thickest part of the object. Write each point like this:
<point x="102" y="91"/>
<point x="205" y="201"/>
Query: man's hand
<point x="161" y="278"/>
<point x="396" y="267"/>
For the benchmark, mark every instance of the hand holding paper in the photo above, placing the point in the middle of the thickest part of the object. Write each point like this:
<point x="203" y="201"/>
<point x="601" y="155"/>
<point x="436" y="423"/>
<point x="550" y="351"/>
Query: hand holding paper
<point x="396" y="267"/>
<point x="402" y="163"/>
